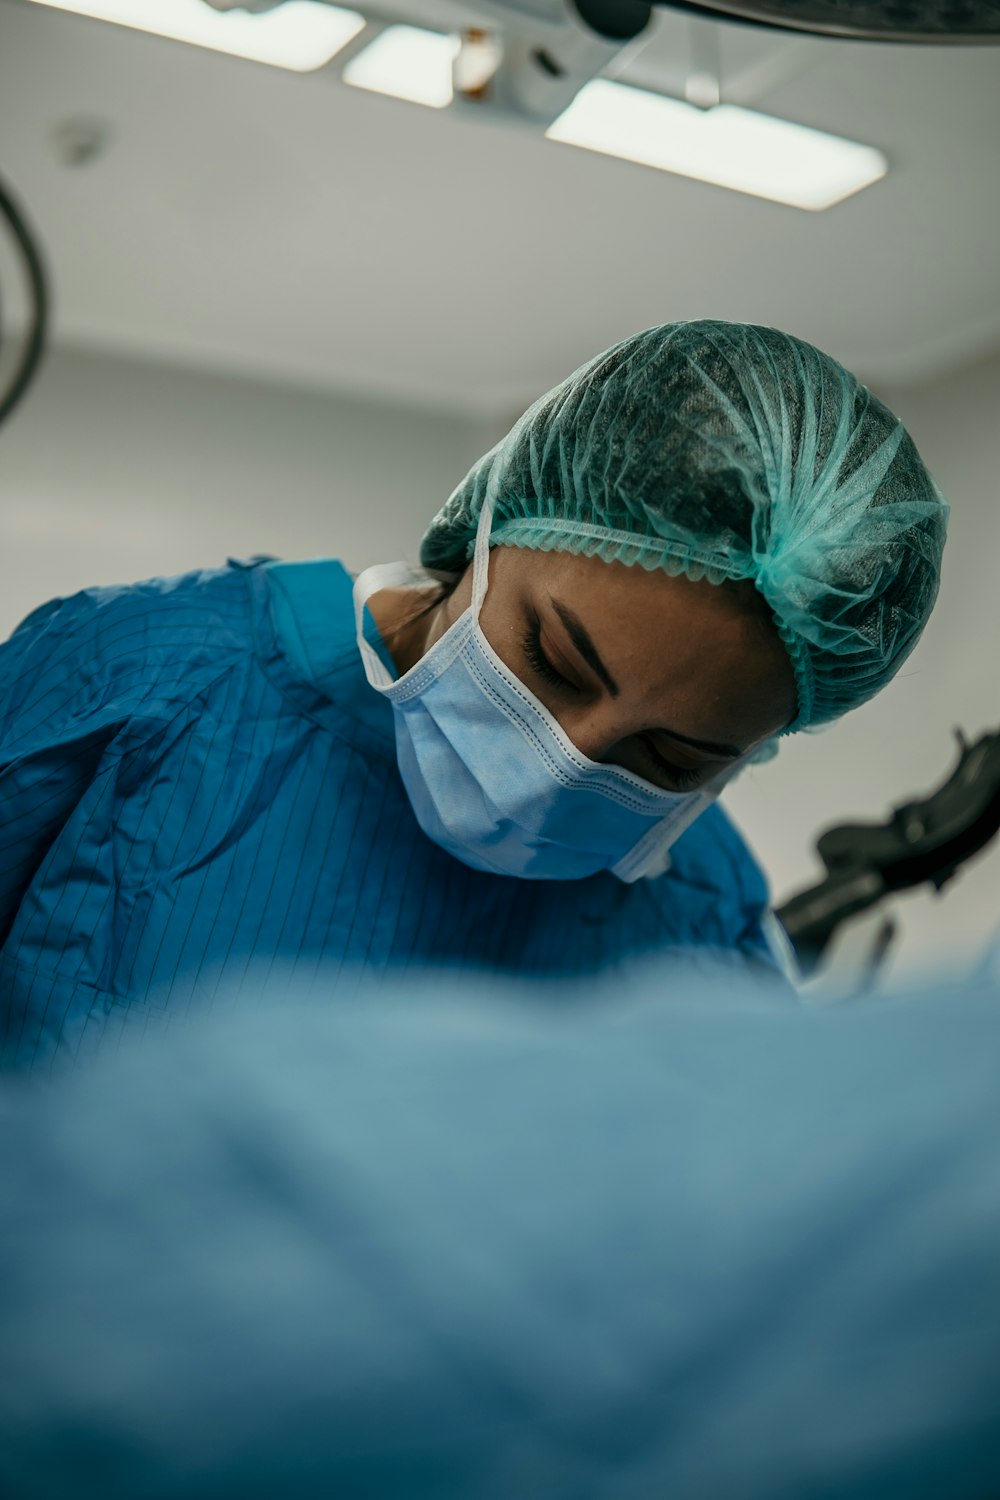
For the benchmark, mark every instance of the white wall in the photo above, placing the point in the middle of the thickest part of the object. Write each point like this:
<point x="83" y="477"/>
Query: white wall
<point x="900" y="745"/>
<point x="115" y="470"/>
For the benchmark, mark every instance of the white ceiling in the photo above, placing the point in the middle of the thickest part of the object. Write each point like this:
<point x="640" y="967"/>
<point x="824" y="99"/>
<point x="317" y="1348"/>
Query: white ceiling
<point x="286" y="226"/>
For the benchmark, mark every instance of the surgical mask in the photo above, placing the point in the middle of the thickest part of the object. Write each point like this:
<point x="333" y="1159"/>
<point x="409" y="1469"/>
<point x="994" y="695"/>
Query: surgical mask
<point x="491" y="775"/>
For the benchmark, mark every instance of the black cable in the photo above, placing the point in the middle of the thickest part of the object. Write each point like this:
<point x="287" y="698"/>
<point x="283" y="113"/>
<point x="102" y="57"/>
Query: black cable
<point x="38" y="283"/>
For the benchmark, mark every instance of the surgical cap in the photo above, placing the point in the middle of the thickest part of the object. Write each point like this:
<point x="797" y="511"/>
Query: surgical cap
<point x="728" y="451"/>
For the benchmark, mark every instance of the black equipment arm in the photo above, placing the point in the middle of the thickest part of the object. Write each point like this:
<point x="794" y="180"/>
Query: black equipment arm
<point x="937" y="22"/>
<point x="924" y="841"/>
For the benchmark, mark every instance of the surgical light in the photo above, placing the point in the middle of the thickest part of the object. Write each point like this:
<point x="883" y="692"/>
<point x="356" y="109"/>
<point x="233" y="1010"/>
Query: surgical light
<point x="301" y="34"/>
<point x="729" y="146"/>
<point x="408" y="63"/>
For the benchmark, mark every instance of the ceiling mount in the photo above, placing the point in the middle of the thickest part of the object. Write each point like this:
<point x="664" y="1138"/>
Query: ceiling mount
<point x="964" y="22"/>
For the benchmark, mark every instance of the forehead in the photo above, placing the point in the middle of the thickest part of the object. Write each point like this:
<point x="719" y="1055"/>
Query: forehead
<point x="708" y="651"/>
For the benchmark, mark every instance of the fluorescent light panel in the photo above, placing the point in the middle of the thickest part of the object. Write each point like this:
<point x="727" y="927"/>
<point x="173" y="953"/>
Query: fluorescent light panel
<point x="301" y="34"/>
<point x="732" y="147"/>
<point x="408" y="63"/>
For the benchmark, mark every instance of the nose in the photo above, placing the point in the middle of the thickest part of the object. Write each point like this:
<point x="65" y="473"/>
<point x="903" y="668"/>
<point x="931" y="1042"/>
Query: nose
<point x="594" y="731"/>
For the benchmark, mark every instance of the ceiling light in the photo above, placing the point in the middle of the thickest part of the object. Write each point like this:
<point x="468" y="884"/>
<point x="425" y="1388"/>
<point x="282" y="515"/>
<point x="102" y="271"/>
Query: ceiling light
<point x="408" y="63"/>
<point x="301" y="34"/>
<point x="732" y="147"/>
<point x="476" y="62"/>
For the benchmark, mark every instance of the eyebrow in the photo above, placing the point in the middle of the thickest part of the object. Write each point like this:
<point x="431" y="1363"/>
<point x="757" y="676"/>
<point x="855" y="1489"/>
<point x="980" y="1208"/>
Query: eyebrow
<point x="581" y="640"/>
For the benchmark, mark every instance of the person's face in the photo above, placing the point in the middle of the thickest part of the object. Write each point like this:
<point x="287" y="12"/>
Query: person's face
<point x="672" y="680"/>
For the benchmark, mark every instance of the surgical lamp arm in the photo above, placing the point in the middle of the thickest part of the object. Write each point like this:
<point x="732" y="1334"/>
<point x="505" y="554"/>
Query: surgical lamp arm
<point x="922" y="842"/>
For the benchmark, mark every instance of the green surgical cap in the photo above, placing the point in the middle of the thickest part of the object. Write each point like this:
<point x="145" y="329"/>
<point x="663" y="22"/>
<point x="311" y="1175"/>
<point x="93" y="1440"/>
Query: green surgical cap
<point x="725" y="450"/>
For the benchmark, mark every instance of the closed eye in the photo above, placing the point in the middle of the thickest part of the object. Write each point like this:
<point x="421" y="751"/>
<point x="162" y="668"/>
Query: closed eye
<point x="683" y="778"/>
<point x="532" y="647"/>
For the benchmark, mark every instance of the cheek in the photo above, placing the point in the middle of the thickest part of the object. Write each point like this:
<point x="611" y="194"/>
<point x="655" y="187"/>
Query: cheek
<point x="497" y="620"/>
<point x="500" y="619"/>
<point x="505" y="639"/>
<point x="460" y="600"/>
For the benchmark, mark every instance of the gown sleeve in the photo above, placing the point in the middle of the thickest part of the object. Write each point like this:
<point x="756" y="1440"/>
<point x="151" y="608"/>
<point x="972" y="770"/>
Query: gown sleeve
<point x="715" y="894"/>
<point x="67" y="689"/>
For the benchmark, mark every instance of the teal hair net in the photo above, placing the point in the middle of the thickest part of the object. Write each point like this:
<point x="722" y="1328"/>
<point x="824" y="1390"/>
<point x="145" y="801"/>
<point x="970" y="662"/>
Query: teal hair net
<point x="729" y="451"/>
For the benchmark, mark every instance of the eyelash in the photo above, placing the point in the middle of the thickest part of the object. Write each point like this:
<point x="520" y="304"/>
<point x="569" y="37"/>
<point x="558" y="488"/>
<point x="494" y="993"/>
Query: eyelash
<point x="683" y="780"/>
<point x="532" y="647"/>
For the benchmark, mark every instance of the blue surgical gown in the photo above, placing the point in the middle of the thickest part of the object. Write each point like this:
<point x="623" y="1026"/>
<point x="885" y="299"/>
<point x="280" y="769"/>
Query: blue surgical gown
<point x="199" y="787"/>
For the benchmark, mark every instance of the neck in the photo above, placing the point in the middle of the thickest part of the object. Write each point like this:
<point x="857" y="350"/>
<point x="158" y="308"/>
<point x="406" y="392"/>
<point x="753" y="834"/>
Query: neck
<point x="407" y="626"/>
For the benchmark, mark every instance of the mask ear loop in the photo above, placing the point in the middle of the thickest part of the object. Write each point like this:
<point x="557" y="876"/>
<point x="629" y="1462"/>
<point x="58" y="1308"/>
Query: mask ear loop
<point x="481" y="558"/>
<point x="390" y="575"/>
<point x="382" y="575"/>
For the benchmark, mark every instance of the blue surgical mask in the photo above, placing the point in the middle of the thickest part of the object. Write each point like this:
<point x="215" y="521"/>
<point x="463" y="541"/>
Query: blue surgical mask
<point x="491" y="775"/>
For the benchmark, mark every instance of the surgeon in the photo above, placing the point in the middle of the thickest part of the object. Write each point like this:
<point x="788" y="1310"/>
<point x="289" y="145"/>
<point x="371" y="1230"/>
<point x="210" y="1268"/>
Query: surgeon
<point x="707" y="538"/>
